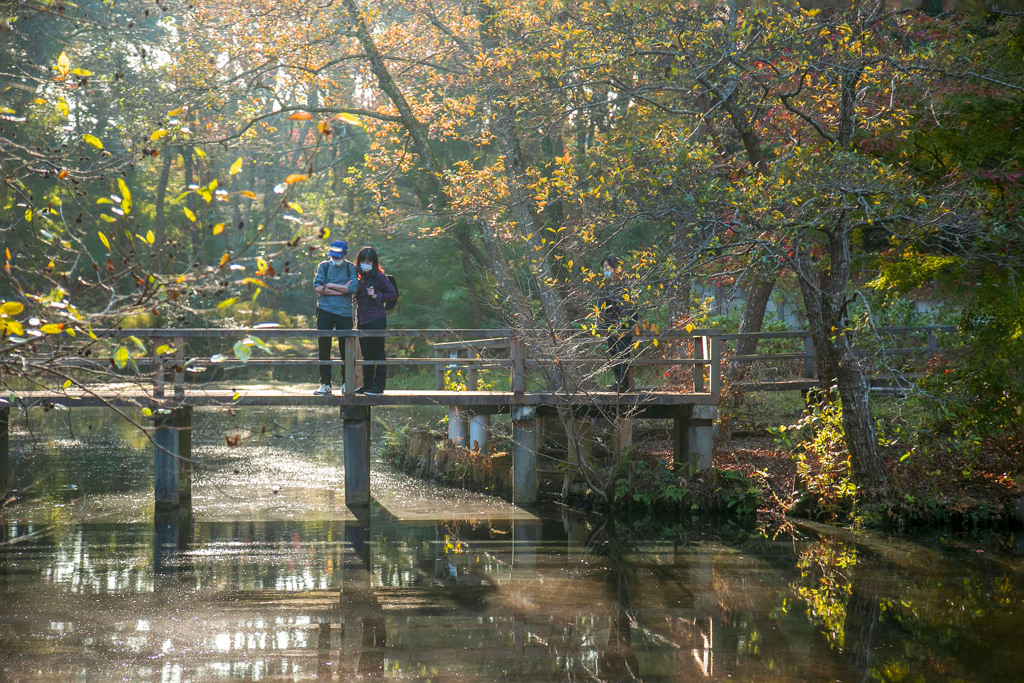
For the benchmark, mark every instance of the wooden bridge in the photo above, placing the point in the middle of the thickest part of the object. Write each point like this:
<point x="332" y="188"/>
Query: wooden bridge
<point x="528" y="374"/>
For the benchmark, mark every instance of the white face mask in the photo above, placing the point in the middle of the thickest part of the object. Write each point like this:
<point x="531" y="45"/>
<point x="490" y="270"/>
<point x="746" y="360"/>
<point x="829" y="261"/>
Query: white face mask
<point x="607" y="272"/>
<point x="337" y="261"/>
<point x="366" y="267"/>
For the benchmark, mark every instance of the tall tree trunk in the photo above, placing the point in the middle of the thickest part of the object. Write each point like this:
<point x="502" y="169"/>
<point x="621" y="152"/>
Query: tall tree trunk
<point x="824" y="296"/>
<point x="161" y="193"/>
<point x="757" y="296"/>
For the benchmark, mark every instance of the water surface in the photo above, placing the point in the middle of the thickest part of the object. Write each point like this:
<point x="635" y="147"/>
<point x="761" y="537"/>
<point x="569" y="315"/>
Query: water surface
<point x="271" y="576"/>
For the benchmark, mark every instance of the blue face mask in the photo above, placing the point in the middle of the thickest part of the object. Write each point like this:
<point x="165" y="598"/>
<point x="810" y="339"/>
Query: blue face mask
<point x="366" y="267"/>
<point x="337" y="261"/>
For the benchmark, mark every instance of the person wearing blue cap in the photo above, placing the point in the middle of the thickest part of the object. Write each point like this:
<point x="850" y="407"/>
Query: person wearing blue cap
<point x="335" y="282"/>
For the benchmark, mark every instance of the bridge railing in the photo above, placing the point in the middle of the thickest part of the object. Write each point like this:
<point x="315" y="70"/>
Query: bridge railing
<point x="169" y="359"/>
<point x="789" y="361"/>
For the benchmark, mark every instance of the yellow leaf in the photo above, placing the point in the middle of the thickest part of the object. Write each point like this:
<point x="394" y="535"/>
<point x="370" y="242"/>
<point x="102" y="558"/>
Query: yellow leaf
<point x="52" y="328"/>
<point x="227" y="302"/>
<point x="93" y="140"/>
<point x="175" y="112"/>
<point x="39" y="100"/>
<point x="348" y="118"/>
<point x="218" y="229"/>
<point x="157" y="134"/>
<point x="126" y="196"/>
<point x="224" y="259"/>
<point x="67" y="384"/>
<point x="12" y="327"/>
<point x="690" y="327"/>
<point x="62" y="106"/>
<point x="81" y="72"/>
<point x="63" y="64"/>
<point x="150" y="237"/>
<point x="296" y="178"/>
<point x="147" y="412"/>
<point x="247" y="193"/>
<point x="188" y="214"/>
<point x="261" y="266"/>
<point x="236" y="167"/>
<point x="11" y="308"/>
<point x="103" y="238"/>
<point x="301" y="116"/>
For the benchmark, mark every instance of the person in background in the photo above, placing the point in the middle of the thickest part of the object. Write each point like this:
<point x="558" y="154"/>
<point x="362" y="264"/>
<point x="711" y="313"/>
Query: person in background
<point x="374" y="290"/>
<point x="335" y="282"/>
<point x="617" y="320"/>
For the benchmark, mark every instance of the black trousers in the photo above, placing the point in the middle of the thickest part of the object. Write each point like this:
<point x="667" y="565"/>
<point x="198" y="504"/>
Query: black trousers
<point x="330" y="321"/>
<point x="619" y="346"/>
<point x="375" y="377"/>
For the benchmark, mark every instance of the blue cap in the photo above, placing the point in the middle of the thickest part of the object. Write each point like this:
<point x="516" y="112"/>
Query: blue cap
<point x="338" y="249"/>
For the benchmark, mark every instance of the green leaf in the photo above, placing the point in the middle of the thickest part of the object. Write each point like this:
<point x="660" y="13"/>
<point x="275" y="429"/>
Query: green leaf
<point x="138" y="342"/>
<point x="256" y="341"/>
<point x="242" y="351"/>
<point x="121" y="357"/>
<point x="227" y="302"/>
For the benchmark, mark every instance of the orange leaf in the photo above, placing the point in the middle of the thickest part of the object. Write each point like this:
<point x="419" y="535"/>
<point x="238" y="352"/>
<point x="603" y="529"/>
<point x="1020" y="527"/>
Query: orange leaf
<point x="296" y="178"/>
<point x="301" y="116"/>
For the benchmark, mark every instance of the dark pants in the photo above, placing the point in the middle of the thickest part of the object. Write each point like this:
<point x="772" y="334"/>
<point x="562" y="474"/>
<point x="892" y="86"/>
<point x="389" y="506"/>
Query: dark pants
<point x="330" y="321"/>
<point x="618" y="348"/>
<point x="374" y="376"/>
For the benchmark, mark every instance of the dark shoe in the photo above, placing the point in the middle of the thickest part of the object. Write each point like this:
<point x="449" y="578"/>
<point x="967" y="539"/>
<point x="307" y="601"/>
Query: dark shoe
<point x="374" y="392"/>
<point x="612" y="387"/>
<point x="361" y="390"/>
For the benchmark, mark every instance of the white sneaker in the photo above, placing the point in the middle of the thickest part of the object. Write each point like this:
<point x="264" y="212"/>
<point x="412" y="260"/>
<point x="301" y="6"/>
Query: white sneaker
<point x="324" y="390"/>
<point x="342" y="388"/>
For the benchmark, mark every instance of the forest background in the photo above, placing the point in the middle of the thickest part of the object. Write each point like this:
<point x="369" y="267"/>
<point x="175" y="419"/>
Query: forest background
<point x="169" y="164"/>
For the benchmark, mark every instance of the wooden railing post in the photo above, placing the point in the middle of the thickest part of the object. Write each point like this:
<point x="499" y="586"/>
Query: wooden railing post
<point x="698" y="368"/>
<point x="439" y="370"/>
<point x="349" y="370"/>
<point x="179" y="368"/>
<point x="158" y="372"/>
<point x="518" y="352"/>
<point x="809" y="357"/>
<point x="715" y="374"/>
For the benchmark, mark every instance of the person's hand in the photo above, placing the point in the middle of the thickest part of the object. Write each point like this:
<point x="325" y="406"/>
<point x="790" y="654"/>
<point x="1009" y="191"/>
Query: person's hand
<point x="370" y="290"/>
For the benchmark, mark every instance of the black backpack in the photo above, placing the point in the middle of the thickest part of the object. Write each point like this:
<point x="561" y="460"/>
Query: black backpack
<point x="390" y="305"/>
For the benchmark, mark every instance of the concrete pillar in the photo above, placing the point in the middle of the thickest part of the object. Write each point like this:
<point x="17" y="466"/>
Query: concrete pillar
<point x="479" y="432"/>
<point x="6" y="480"/>
<point x="693" y="436"/>
<point x="172" y="483"/>
<point x="524" y="455"/>
<point x="356" y="420"/>
<point x="186" y="465"/>
<point x="457" y="429"/>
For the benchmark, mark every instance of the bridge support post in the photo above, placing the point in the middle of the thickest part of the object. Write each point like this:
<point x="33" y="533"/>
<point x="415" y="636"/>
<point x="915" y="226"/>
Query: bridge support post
<point x="172" y="481"/>
<point x="524" y="455"/>
<point x="6" y="481"/>
<point x="457" y="427"/>
<point x="693" y="436"/>
<point x="479" y="431"/>
<point x="356" y="421"/>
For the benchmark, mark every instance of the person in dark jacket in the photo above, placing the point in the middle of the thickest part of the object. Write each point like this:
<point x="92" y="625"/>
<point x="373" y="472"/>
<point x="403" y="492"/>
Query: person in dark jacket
<point x="373" y="292"/>
<point x="335" y="283"/>
<point x="618" y="318"/>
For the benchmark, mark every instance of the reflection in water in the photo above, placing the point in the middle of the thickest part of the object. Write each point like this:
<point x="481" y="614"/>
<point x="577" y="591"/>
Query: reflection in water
<point x="344" y="593"/>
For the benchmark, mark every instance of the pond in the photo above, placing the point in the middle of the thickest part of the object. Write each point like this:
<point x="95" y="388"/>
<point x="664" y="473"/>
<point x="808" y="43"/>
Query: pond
<point x="271" y="576"/>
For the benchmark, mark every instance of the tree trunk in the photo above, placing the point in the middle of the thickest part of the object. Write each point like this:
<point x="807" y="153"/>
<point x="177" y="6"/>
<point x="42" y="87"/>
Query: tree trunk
<point x="757" y="296"/>
<point x="824" y="292"/>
